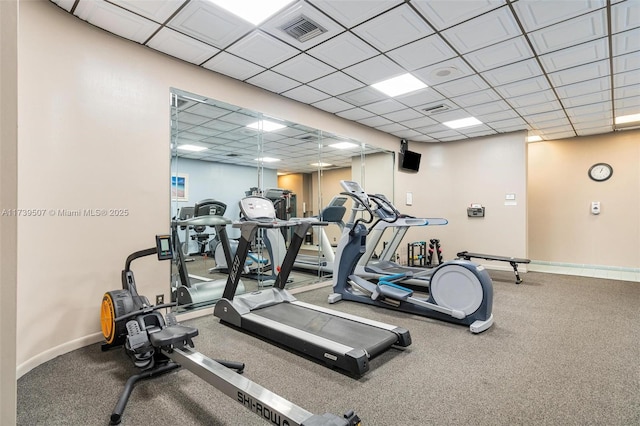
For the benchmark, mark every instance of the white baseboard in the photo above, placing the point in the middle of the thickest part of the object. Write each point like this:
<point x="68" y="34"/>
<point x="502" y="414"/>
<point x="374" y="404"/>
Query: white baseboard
<point x="594" y="271"/>
<point x="54" y="352"/>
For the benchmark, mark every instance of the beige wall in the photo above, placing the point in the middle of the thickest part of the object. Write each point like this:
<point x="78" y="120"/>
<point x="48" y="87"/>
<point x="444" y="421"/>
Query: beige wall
<point x="8" y="200"/>
<point x="561" y="226"/>
<point x="454" y="175"/>
<point x="94" y="119"/>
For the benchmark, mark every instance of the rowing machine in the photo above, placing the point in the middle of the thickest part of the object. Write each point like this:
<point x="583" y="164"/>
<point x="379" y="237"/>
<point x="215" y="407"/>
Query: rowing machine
<point x="158" y="344"/>
<point x="513" y="261"/>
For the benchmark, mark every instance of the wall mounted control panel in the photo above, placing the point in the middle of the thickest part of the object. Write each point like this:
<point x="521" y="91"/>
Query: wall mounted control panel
<point x="475" y="210"/>
<point x="595" y="207"/>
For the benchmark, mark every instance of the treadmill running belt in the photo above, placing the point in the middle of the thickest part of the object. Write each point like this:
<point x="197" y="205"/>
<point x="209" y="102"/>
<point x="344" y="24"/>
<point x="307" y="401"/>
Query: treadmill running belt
<point x="350" y="333"/>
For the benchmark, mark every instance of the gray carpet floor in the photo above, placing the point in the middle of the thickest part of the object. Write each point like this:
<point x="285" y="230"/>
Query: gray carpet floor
<point x="564" y="350"/>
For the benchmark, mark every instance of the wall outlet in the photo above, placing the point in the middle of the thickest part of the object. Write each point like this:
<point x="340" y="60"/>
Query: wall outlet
<point x="159" y="299"/>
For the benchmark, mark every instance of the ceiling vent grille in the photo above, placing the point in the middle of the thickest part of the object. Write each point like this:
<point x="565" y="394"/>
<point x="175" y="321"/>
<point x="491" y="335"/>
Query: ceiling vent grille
<point x="302" y="29"/>
<point x="436" y="109"/>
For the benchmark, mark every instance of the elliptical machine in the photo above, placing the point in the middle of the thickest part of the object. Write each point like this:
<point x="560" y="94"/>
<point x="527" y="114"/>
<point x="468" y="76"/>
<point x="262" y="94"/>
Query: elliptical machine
<point x="460" y="291"/>
<point x="158" y="344"/>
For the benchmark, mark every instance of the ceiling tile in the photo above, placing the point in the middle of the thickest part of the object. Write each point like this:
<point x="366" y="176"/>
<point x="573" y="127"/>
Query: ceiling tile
<point x="262" y="49"/>
<point x="532" y="98"/>
<point x="523" y="87"/>
<point x="419" y="122"/>
<point x="393" y="29"/>
<point x="549" y="119"/>
<point x="390" y="128"/>
<point x="477" y="98"/>
<point x="406" y="134"/>
<point x="420" y="97"/>
<point x="559" y="135"/>
<point x="305" y="94"/>
<point x="539" y="14"/>
<point x="444" y="71"/>
<point x="628" y="41"/>
<point x="336" y="83"/>
<point x="462" y="86"/>
<point x="421" y="53"/>
<point x="574" y="56"/>
<point x="273" y="82"/>
<point x="589" y="98"/>
<point x="483" y="31"/>
<point x="116" y="20"/>
<point x="304" y="68"/>
<point x="343" y="50"/>
<point x="486" y="108"/>
<point x="374" y="70"/>
<point x="589" y="86"/>
<point x="350" y="13"/>
<point x="593" y="130"/>
<point x="500" y="54"/>
<point x="624" y="16"/>
<point x="626" y="79"/>
<point x="568" y="33"/>
<point x="496" y="116"/>
<point x="384" y="107"/>
<point x="158" y="11"/>
<point x="65" y="4"/>
<point x="181" y="46"/>
<point x="209" y="23"/>
<point x="301" y="9"/>
<point x="627" y="62"/>
<point x="355" y="114"/>
<point x="509" y="124"/>
<point x="580" y="73"/>
<point x="552" y="108"/>
<point x="403" y="115"/>
<point x="588" y="119"/>
<point x="514" y="72"/>
<point x="332" y="105"/>
<point x="628" y="92"/>
<point x="588" y="110"/>
<point x="232" y="66"/>
<point x="363" y="96"/>
<point x="375" y="121"/>
<point x="441" y="15"/>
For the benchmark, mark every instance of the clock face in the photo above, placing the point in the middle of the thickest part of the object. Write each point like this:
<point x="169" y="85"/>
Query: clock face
<point x="600" y="172"/>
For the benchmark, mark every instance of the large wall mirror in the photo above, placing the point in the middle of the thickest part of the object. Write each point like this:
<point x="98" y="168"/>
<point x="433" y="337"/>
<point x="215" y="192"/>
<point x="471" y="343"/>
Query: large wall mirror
<point x="221" y="153"/>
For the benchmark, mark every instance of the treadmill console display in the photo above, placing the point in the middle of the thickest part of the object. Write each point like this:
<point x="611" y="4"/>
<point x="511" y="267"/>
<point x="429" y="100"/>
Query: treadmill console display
<point x="257" y="208"/>
<point x="355" y="189"/>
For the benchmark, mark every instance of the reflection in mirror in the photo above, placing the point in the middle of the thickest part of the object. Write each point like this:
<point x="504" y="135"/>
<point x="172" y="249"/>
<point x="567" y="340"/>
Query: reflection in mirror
<point x="222" y="153"/>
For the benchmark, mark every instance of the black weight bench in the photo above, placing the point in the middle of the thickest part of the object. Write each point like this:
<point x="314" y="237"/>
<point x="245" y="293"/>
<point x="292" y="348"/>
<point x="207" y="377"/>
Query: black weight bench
<point x="513" y="261"/>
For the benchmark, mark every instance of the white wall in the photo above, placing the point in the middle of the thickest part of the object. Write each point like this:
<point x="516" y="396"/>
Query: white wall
<point x="8" y="200"/>
<point x="94" y="134"/>
<point x="454" y="175"/>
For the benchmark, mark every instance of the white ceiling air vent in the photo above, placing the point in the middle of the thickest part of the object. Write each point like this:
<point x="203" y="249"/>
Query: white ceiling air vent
<point x="436" y="109"/>
<point x="302" y="29"/>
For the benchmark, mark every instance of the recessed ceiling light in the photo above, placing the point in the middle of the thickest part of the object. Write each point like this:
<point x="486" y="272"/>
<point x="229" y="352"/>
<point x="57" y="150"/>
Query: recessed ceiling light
<point x="267" y="126"/>
<point x="534" y="138"/>
<point x="343" y="145"/>
<point x="267" y="159"/>
<point x="193" y="148"/>
<point x="400" y="85"/>
<point x="320" y="164"/>
<point x="624" y="119"/>
<point x="253" y="11"/>
<point x="463" y="122"/>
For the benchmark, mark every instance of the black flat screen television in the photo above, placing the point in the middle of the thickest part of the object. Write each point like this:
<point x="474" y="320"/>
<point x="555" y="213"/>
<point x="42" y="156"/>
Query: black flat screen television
<point x="410" y="160"/>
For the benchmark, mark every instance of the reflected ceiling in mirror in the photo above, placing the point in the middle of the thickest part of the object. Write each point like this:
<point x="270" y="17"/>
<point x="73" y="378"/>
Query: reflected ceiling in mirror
<point x="228" y="134"/>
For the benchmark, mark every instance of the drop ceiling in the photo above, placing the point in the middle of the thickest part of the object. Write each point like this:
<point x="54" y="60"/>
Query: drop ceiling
<point x="557" y="69"/>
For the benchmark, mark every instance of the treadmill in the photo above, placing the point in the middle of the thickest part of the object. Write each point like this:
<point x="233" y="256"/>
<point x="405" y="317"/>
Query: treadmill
<point x="337" y="339"/>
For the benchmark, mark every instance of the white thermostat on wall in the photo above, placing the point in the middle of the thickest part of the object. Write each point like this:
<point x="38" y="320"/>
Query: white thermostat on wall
<point x="595" y="207"/>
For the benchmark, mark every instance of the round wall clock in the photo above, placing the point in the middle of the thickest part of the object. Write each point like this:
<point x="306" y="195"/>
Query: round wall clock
<point x="600" y="172"/>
